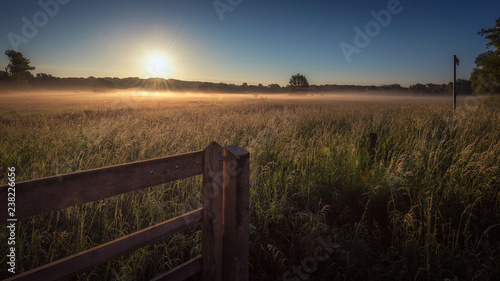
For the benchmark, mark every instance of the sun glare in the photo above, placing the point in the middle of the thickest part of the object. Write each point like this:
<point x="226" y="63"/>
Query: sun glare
<point x="158" y="65"/>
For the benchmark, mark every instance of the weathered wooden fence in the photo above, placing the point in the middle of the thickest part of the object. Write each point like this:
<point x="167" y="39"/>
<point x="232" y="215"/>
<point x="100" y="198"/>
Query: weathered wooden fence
<point x="224" y="215"/>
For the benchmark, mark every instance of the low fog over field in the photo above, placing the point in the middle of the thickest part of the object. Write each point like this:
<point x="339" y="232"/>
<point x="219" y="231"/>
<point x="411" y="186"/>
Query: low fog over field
<point x="314" y="177"/>
<point x="132" y="98"/>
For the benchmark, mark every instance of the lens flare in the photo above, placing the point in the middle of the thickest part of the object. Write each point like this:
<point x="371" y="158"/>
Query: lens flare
<point x="158" y="65"/>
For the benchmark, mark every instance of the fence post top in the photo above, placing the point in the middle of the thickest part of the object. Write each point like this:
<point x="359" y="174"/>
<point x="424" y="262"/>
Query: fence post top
<point x="213" y="145"/>
<point x="236" y="151"/>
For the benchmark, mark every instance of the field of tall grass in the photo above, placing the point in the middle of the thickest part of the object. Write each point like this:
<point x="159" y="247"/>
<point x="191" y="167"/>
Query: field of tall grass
<point x="427" y="207"/>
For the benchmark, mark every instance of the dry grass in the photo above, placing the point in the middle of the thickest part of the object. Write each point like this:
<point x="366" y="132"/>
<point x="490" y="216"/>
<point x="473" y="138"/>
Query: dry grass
<point x="428" y="208"/>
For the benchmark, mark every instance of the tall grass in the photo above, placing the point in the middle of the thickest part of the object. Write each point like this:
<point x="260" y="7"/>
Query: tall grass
<point x="428" y="208"/>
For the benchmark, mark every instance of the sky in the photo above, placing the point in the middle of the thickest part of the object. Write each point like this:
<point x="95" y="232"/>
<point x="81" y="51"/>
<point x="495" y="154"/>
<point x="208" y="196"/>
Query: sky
<point x="361" y="42"/>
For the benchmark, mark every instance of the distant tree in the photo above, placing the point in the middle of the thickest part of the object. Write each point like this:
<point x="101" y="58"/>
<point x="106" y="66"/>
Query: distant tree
<point x="391" y="87"/>
<point x="417" y="89"/>
<point x="3" y="75"/>
<point x="202" y="87"/>
<point x="253" y="88"/>
<point x="492" y="34"/>
<point x="43" y="79"/>
<point x="465" y="87"/>
<point x="298" y="82"/>
<point x="223" y="87"/>
<point x="19" y="67"/>
<point x="274" y="87"/>
<point x="442" y="89"/>
<point x="44" y="76"/>
<point x="486" y="75"/>
<point x="105" y="83"/>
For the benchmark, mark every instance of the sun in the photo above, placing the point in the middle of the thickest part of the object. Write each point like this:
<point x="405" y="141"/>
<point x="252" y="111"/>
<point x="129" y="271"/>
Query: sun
<point x="158" y="65"/>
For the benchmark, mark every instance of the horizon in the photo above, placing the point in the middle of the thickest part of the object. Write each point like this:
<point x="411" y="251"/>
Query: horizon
<point x="364" y="43"/>
<point x="238" y="85"/>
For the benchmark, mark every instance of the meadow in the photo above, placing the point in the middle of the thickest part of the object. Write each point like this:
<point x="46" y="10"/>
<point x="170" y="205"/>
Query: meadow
<point x="427" y="207"/>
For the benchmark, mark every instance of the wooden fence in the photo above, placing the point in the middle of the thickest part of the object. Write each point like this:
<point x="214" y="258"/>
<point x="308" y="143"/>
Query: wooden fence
<point x="224" y="215"/>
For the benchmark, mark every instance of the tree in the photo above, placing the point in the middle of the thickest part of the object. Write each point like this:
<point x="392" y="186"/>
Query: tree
<point x="492" y="34"/>
<point x="417" y="88"/>
<point x="486" y="75"/>
<point x="19" y="67"/>
<point x="44" y="76"/>
<point x="299" y="82"/>
<point x="3" y="75"/>
<point x="204" y="86"/>
<point x="104" y="83"/>
<point x="465" y="87"/>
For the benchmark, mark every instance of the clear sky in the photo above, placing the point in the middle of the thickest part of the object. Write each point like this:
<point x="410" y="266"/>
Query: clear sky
<point x="253" y="41"/>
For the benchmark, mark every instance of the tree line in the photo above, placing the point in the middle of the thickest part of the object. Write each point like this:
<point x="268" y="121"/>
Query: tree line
<point x="484" y="78"/>
<point x="298" y="84"/>
<point x="18" y="74"/>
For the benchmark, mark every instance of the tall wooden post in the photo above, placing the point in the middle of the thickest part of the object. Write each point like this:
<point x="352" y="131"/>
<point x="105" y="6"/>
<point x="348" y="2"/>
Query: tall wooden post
<point x="236" y="214"/>
<point x="212" y="231"/>
<point x="455" y="63"/>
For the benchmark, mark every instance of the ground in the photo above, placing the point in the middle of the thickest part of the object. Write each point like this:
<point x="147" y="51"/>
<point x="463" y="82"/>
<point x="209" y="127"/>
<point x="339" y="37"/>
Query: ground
<point x="426" y="207"/>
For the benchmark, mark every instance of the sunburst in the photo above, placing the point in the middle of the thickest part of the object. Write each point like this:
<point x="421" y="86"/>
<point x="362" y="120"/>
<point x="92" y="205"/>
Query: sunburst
<point x="158" y="65"/>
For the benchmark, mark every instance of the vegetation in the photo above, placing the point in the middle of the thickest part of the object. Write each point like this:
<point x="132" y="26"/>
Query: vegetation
<point x="486" y="76"/>
<point x="298" y="82"/>
<point x="18" y="69"/>
<point x="429" y="88"/>
<point x="426" y="208"/>
<point x="18" y="74"/>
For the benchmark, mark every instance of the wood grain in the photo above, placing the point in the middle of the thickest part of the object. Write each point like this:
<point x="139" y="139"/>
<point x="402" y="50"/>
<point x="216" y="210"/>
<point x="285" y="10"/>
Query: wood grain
<point x="236" y="214"/>
<point x="81" y="262"/>
<point x="43" y="195"/>
<point x="212" y="213"/>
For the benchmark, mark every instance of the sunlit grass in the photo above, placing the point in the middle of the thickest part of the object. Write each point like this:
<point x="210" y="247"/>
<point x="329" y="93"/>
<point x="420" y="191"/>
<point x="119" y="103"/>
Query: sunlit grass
<point x="427" y="208"/>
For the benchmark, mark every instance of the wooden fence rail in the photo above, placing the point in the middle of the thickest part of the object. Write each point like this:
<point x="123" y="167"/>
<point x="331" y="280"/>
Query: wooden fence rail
<point x="224" y="215"/>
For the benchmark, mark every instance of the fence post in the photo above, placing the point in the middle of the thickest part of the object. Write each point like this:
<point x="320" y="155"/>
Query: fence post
<point x="456" y="61"/>
<point x="212" y="235"/>
<point x="236" y="213"/>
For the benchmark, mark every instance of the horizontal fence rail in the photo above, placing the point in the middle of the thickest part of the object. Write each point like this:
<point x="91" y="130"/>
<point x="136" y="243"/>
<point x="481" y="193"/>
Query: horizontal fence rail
<point x="224" y="216"/>
<point x="60" y="192"/>
<point x="183" y="271"/>
<point x="83" y="261"/>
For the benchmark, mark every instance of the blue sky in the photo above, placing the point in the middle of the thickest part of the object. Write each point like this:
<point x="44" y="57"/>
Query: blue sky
<point x="255" y="41"/>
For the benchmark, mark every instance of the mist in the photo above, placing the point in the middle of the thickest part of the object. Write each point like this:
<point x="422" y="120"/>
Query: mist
<point x="139" y="97"/>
